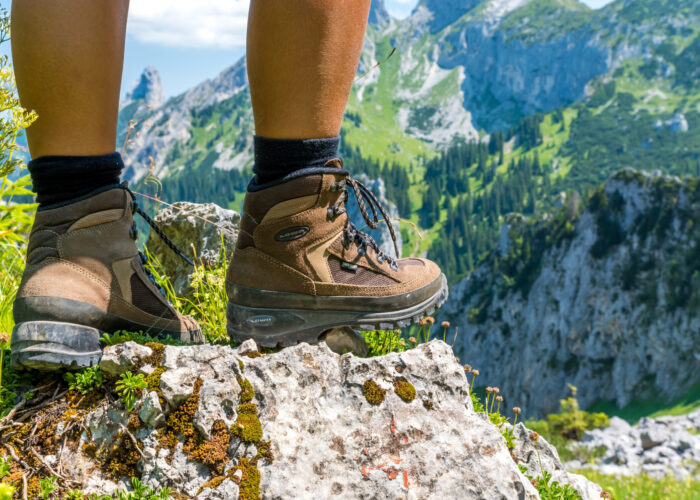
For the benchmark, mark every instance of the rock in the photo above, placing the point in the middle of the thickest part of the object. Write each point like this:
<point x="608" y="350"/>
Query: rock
<point x="587" y="312"/>
<point x="248" y="346"/>
<point x="318" y="435"/>
<point x="657" y="446"/>
<point x="526" y="452"/>
<point x="122" y="358"/>
<point x="148" y="89"/>
<point x="189" y="225"/>
<point x="151" y="412"/>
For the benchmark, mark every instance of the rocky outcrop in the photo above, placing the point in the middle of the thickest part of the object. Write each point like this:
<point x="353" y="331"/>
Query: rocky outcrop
<point x="206" y="233"/>
<point x="606" y="301"/>
<point x="220" y="423"/>
<point x="655" y="446"/>
<point x="148" y="88"/>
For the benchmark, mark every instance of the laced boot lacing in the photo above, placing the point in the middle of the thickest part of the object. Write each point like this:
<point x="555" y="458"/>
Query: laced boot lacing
<point x="352" y="235"/>
<point x="133" y="233"/>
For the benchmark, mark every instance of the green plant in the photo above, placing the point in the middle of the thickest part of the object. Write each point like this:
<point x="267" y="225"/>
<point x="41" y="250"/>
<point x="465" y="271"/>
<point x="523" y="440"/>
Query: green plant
<point x="47" y="486"/>
<point x="128" y="387"/>
<point x="140" y="492"/>
<point x="139" y="337"/>
<point x="6" y="491"/>
<point x="73" y="495"/>
<point x="85" y="381"/>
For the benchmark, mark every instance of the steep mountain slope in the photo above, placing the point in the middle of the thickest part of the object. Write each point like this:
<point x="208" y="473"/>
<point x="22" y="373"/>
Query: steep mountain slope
<point x="606" y="300"/>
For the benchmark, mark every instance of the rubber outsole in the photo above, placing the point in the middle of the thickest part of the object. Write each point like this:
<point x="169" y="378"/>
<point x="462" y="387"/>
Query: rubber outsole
<point x="51" y="345"/>
<point x="275" y="327"/>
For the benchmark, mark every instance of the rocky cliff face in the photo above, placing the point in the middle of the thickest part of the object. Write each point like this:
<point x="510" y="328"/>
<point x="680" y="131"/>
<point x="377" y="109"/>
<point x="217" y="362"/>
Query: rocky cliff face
<point x="606" y="301"/>
<point x="222" y="423"/>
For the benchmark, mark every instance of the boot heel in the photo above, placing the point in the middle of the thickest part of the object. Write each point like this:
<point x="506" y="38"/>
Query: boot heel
<point x="274" y="327"/>
<point x="50" y="345"/>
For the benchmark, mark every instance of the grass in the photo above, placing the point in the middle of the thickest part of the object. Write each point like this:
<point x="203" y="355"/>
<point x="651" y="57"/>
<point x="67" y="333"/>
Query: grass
<point x="653" y="407"/>
<point x="644" y="487"/>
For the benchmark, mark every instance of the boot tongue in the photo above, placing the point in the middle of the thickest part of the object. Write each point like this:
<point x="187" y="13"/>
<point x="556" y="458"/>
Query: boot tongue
<point x="334" y="163"/>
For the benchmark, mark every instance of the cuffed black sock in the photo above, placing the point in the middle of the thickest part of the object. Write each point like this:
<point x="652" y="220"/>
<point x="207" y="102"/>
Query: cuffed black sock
<point x="60" y="179"/>
<point x="277" y="158"/>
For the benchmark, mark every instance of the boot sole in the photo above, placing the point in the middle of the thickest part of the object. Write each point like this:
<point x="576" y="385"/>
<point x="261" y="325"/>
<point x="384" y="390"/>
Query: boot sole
<point x="272" y="327"/>
<point x="50" y="334"/>
<point x="50" y="345"/>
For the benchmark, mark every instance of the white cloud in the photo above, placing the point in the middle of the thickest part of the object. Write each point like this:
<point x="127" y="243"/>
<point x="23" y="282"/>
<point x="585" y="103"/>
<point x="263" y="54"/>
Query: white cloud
<point x="186" y="23"/>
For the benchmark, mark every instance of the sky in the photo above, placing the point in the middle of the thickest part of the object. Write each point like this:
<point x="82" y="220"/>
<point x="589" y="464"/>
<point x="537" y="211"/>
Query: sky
<point x="160" y="34"/>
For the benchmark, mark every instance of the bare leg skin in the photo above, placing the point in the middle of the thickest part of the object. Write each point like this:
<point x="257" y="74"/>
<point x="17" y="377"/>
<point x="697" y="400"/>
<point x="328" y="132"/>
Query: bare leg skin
<point x="302" y="58"/>
<point x="68" y="57"/>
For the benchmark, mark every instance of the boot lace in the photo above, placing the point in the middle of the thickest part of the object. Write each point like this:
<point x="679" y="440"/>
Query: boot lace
<point x="135" y="208"/>
<point x="352" y="235"/>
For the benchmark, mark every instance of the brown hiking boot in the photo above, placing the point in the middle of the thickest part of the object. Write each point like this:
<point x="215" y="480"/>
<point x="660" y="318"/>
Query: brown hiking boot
<point x="301" y="268"/>
<point x="84" y="276"/>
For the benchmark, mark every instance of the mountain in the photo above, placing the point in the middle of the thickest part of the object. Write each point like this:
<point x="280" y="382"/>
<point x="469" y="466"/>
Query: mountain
<point x="603" y="295"/>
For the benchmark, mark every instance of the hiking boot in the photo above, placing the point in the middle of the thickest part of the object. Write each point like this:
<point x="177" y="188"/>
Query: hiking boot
<point x="85" y="276"/>
<point x="301" y="268"/>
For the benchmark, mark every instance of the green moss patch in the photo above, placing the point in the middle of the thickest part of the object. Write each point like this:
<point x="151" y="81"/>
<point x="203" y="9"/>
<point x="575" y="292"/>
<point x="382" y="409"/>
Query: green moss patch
<point x="250" y="480"/>
<point x="247" y="427"/>
<point x="404" y="389"/>
<point x="373" y="393"/>
<point x="247" y="393"/>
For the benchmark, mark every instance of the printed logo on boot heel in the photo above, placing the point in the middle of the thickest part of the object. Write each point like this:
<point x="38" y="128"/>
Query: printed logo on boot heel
<point x="292" y="233"/>
<point x="261" y="321"/>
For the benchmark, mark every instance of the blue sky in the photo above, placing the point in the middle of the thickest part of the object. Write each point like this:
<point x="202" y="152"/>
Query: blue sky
<point x="160" y="34"/>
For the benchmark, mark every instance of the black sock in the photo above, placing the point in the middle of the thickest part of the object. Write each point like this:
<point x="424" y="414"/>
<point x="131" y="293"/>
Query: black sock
<point x="60" y="179"/>
<point x="277" y="158"/>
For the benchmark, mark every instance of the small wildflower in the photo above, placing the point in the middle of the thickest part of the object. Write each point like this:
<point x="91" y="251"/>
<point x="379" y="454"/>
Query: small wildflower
<point x="397" y="331"/>
<point x="412" y="340"/>
<point x="467" y="368"/>
<point x="475" y="373"/>
<point x="422" y="322"/>
<point x="605" y="494"/>
<point x="534" y="437"/>
<point x="402" y="343"/>
<point x="534" y="483"/>
<point x="489" y="390"/>
<point x="496" y="390"/>
<point x="445" y="324"/>
<point x="4" y="338"/>
<point x="516" y="410"/>
<point x="499" y="398"/>
<point x="430" y="320"/>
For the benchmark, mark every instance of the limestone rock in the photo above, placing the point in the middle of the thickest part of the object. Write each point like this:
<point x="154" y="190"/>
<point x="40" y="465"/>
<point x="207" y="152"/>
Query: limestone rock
<point x="199" y="230"/>
<point x="655" y="446"/>
<point x="151" y="412"/>
<point x="590" y="309"/>
<point x="122" y="358"/>
<point x="319" y="436"/>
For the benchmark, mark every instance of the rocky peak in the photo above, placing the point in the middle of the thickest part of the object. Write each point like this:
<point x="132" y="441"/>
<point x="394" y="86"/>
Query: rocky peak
<point x="147" y="88"/>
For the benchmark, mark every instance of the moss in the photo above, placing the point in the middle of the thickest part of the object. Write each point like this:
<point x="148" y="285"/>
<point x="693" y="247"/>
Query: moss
<point x="241" y="365"/>
<point x="250" y="480"/>
<point x="265" y="451"/>
<point x="253" y="354"/>
<point x="247" y="393"/>
<point x="121" y="458"/>
<point x="373" y="393"/>
<point x="156" y="358"/>
<point x="428" y="405"/>
<point x="180" y="421"/>
<point x="33" y="487"/>
<point x="404" y="389"/>
<point x="247" y="427"/>
<point x="214" y="452"/>
<point x="213" y="483"/>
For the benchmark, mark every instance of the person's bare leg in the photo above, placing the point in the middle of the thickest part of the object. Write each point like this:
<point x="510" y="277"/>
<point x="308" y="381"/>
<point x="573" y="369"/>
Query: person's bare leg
<point x="68" y="58"/>
<point x="302" y="272"/>
<point x="302" y="58"/>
